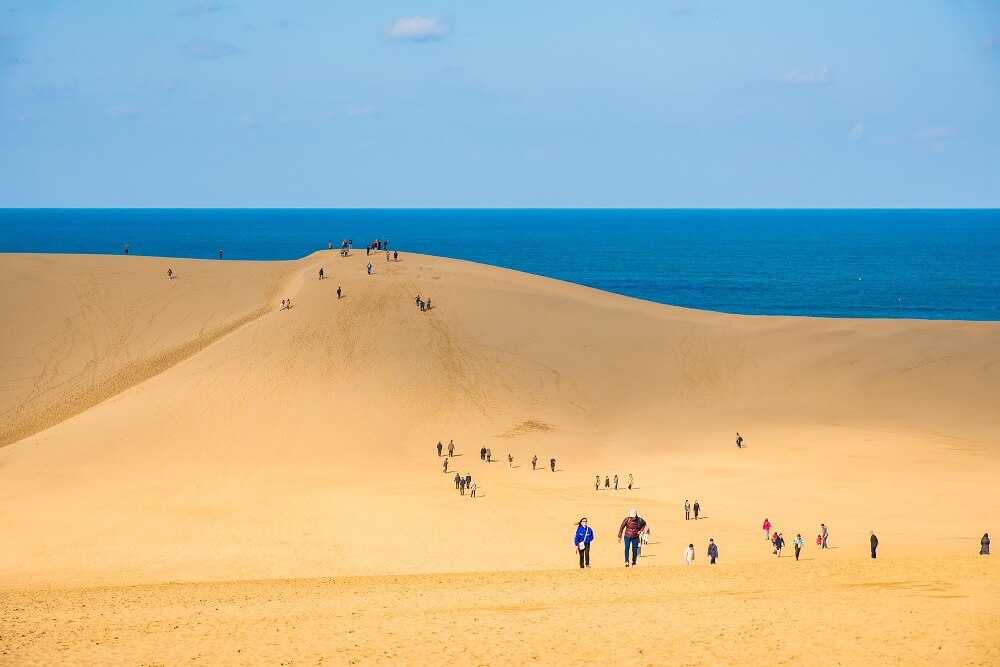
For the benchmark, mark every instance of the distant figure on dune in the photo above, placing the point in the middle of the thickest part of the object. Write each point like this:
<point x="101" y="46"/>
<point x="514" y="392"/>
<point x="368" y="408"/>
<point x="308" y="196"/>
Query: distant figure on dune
<point x="369" y="268"/>
<point x="288" y="304"/>
<point x="552" y="464"/>
<point x="713" y="551"/>
<point x="461" y="486"/>
<point x="632" y="526"/>
<point x="616" y="482"/>
<point x="282" y="306"/>
<point x="984" y="549"/>
<point x="739" y="440"/>
<point x="170" y="274"/>
<point x="607" y="483"/>
<point x="697" y="509"/>
<point x="395" y="256"/>
<point x="687" y="510"/>
<point x="819" y="541"/>
<point x="689" y="555"/>
<point x="458" y="479"/>
<point x="126" y="248"/>
<point x="451" y="448"/>
<point x="534" y="461"/>
<point x="428" y="303"/>
<point x="825" y="533"/>
<point x="489" y="455"/>
<point x="767" y="529"/>
<point x="423" y="306"/>
<point x="774" y="544"/>
<point x="482" y="453"/>
<point x="446" y="465"/>
<point x="440" y="446"/>
<point x="472" y="489"/>
<point x="220" y="253"/>
<point x="338" y="293"/>
<point x="797" y="544"/>
<point x="329" y="246"/>
<point x="874" y="541"/>
<point x="597" y="482"/>
<point x="468" y="480"/>
<point x="510" y="461"/>
<point x="321" y="273"/>
<point x="582" y="538"/>
<point x="417" y="300"/>
<point x="630" y="481"/>
<point x="387" y="256"/>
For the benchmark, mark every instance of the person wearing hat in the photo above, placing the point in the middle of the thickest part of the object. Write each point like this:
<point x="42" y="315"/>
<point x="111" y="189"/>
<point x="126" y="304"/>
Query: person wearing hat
<point x="582" y="539"/>
<point x="632" y="526"/>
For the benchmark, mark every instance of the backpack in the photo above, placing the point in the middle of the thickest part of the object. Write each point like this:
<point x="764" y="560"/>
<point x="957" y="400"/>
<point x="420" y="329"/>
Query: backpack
<point x="640" y="523"/>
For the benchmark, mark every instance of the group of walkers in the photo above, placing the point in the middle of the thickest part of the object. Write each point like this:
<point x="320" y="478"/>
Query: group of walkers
<point x="424" y="305"/>
<point x="463" y="483"/>
<point x="777" y="539"/>
<point x="688" y="507"/>
<point x="376" y="245"/>
<point x="608" y="482"/>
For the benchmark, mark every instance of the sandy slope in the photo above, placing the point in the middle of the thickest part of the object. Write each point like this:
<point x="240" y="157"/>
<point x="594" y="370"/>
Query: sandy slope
<point x="300" y="443"/>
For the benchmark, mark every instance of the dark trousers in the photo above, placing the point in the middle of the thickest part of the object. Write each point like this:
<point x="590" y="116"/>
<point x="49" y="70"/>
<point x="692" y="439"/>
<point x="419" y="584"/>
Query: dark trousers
<point x="873" y="551"/>
<point x="797" y="550"/>
<point x="711" y="560"/>
<point x="584" y="555"/>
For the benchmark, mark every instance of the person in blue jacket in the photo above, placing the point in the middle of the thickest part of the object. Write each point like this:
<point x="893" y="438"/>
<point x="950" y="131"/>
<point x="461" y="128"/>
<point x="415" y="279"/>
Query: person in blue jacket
<point x="581" y="540"/>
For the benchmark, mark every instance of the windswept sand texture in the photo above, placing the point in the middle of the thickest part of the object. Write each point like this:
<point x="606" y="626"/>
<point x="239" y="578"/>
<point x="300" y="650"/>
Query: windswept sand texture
<point x="186" y="431"/>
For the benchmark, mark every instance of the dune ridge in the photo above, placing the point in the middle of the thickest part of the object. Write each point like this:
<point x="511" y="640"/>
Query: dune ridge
<point x="300" y="444"/>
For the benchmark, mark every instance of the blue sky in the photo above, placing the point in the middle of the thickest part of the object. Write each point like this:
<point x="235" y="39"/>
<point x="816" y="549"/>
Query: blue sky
<point x="578" y="103"/>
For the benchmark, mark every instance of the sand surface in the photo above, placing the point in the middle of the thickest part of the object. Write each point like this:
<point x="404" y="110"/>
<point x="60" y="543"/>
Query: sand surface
<point x="187" y="431"/>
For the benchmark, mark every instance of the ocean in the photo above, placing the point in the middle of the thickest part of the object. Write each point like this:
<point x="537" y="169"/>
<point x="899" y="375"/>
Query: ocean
<point x="929" y="264"/>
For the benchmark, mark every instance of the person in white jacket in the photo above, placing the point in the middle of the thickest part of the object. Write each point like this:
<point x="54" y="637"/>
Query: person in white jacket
<point x="689" y="555"/>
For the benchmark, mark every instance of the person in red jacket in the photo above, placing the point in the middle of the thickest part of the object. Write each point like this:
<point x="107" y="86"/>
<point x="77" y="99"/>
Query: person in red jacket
<point x="632" y="527"/>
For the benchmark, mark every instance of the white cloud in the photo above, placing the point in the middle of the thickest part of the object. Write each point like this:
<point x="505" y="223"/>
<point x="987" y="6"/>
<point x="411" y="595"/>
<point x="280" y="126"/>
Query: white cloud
<point x="122" y="111"/>
<point x="857" y="132"/>
<point x="935" y="132"/>
<point x="208" y="48"/>
<point x="808" y="77"/>
<point x="417" y="29"/>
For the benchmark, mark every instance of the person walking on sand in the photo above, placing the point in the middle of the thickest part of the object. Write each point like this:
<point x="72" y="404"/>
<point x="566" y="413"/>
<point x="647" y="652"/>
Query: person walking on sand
<point x="767" y="529"/>
<point x="739" y="440"/>
<point x="825" y="533"/>
<point x="581" y="539"/>
<point x="321" y="273"/>
<point x="472" y="489"/>
<point x="282" y="306"/>
<point x="395" y="256"/>
<point x="220" y="253"/>
<point x="687" y="510"/>
<point x="779" y="544"/>
<point x="984" y="545"/>
<point x="369" y="268"/>
<point x="439" y="447"/>
<point x="428" y="303"/>
<point x="458" y="478"/>
<point x="170" y="274"/>
<point x="552" y="464"/>
<point x="468" y="480"/>
<point x="632" y="526"/>
<point x="774" y="544"/>
<point x="489" y="455"/>
<point x="451" y="448"/>
<point x="126" y="248"/>
<point x="534" y="461"/>
<point x="713" y="551"/>
<point x="874" y="542"/>
<point x="461" y="486"/>
<point x="597" y="482"/>
<point x="797" y="544"/>
<point x="338" y="292"/>
<point x="697" y="508"/>
<point x="689" y="555"/>
<point x="510" y="461"/>
<point x="482" y="454"/>
<point x="446" y="465"/>
<point x="630" y="481"/>
<point x="607" y="482"/>
<point x="616" y="482"/>
<point x="819" y="541"/>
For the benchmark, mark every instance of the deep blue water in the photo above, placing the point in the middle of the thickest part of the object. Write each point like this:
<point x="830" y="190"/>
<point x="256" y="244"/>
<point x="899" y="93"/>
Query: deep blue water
<point x="936" y="264"/>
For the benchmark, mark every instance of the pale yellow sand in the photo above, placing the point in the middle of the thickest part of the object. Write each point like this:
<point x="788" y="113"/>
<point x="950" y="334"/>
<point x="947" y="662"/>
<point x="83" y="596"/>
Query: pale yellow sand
<point x="239" y="442"/>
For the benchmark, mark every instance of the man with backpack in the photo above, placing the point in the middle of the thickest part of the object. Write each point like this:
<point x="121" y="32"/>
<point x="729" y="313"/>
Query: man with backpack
<point x="632" y="526"/>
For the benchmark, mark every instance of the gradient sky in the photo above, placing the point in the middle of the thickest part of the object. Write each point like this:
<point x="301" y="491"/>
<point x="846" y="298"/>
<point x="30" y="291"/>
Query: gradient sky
<point x="635" y="103"/>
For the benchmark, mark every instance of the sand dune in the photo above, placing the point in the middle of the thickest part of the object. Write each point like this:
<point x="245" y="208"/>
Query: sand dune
<point x="188" y="431"/>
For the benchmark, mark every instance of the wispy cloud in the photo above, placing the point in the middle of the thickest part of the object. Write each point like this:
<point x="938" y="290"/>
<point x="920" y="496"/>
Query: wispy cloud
<point x="201" y="7"/>
<point x="417" y="29"/>
<point x="808" y="77"/>
<point x="935" y="132"/>
<point x="360" y="112"/>
<point x="120" y="111"/>
<point x="857" y="132"/>
<point x="207" y="49"/>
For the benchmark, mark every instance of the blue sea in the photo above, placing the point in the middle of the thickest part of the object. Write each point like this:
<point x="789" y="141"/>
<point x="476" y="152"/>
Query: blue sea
<point x="931" y="264"/>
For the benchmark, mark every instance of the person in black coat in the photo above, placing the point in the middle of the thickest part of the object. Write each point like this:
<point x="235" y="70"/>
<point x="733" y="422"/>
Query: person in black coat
<point x="984" y="550"/>
<point x="874" y="541"/>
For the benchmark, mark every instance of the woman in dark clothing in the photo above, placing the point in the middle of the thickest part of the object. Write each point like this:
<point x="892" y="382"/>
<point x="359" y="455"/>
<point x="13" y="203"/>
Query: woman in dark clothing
<point x="874" y="541"/>
<point x="985" y="542"/>
<point x="582" y="539"/>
